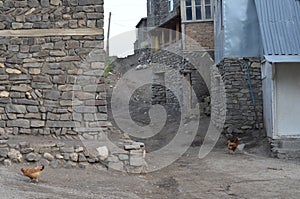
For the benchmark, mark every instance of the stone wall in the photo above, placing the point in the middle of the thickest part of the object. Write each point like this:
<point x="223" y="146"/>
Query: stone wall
<point x="173" y="76"/>
<point x="240" y="114"/>
<point x="166" y="77"/>
<point x="46" y="83"/>
<point x="48" y="14"/>
<point x="51" y="63"/>
<point x="50" y="73"/>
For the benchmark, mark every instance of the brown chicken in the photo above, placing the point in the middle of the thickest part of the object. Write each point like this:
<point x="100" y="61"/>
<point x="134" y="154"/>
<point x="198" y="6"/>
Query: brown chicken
<point x="33" y="173"/>
<point x="233" y="145"/>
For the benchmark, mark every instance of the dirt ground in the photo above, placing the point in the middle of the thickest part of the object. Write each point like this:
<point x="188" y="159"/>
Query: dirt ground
<point x="245" y="174"/>
<point x="219" y="175"/>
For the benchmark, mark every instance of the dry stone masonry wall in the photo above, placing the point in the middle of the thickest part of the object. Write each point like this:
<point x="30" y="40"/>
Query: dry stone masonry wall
<point x="48" y="14"/>
<point x="52" y="94"/>
<point x="50" y="73"/>
<point x="174" y="73"/>
<point x="241" y="114"/>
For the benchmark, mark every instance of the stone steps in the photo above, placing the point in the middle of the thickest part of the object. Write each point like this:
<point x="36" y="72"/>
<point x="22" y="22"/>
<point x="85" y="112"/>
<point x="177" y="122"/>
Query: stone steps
<point x="288" y="148"/>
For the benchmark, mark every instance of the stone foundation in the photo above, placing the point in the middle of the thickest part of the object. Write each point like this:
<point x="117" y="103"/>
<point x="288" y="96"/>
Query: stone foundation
<point x="285" y="148"/>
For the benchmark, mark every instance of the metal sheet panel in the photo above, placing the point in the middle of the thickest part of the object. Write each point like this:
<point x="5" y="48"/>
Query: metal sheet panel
<point x="239" y="34"/>
<point x="279" y="22"/>
<point x="241" y="29"/>
<point x="218" y="32"/>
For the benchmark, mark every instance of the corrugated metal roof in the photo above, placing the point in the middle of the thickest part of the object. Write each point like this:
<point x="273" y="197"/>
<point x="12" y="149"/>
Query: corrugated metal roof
<point x="282" y="58"/>
<point x="279" y="22"/>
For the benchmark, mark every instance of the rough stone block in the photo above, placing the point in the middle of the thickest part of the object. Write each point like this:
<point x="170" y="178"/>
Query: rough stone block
<point x="21" y="88"/>
<point x="57" y="53"/>
<point x="72" y="44"/>
<point x="33" y="3"/>
<point x="89" y="117"/>
<point x="32" y="109"/>
<point x="22" y="123"/>
<point x="27" y="26"/>
<point x="84" y="95"/>
<point x="73" y="24"/>
<point x="95" y="15"/>
<point x="45" y="3"/>
<point x="25" y="102"/>
<point x="11" y="108"/>
<point x="13" y="71"/>
<point x="37" y="123"/>
<point x="26" y="150"/>
<point x="52" y="95"/>
<point x="67" y="95"/>
<point x="90" y="2"/>
<point x="137" y="161"/>
<point x="62" y="124"/>
<point x="33" y="157"/>
<point x="83" y="165"/>
<point x="69" y="87"/>
<point x="55" y="2"/>
<point x="119" y="166"/>
<point x="17" y="25"/>
<point x="67" y="149"/>
<point x="85" y="109"/>
<point x="4" y="94"/>
<point x="4" y="152"/>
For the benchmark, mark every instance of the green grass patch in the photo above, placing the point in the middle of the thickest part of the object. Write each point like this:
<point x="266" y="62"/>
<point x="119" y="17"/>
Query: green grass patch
<point x="108" y="68"/>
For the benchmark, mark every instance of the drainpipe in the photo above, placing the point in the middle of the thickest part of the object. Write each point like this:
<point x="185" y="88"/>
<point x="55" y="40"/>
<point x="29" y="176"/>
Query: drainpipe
<point x="248" y="64"/>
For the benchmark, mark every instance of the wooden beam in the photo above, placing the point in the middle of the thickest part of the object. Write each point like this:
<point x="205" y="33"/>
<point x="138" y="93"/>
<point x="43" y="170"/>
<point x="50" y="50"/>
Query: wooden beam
<point x="51" y="32"/>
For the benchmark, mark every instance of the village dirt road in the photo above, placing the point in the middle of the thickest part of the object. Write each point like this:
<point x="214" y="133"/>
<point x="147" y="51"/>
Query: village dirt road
<point x="219" y="175"/>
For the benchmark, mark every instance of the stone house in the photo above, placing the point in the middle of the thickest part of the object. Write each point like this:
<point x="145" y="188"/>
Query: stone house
<point x="141" y="35"/>
<point x="258" y="60"/>
<point x="179" y="31"/>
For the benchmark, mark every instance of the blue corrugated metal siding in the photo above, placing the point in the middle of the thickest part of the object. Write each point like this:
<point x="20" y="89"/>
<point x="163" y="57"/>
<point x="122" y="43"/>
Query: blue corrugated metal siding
<point x="280" y="26"/>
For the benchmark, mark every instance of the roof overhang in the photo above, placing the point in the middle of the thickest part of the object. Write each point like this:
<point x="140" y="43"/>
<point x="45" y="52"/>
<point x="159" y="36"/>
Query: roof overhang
<point x="282" y="58"/>
<point x="140" y="22"/>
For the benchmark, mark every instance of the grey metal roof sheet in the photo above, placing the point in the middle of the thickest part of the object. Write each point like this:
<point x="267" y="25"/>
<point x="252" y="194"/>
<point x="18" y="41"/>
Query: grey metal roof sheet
<point x="282" y="58"/>
<point x="279" y="22"/>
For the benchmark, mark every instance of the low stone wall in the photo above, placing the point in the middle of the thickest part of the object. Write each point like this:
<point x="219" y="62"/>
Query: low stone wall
<point x="73" y="153"/>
